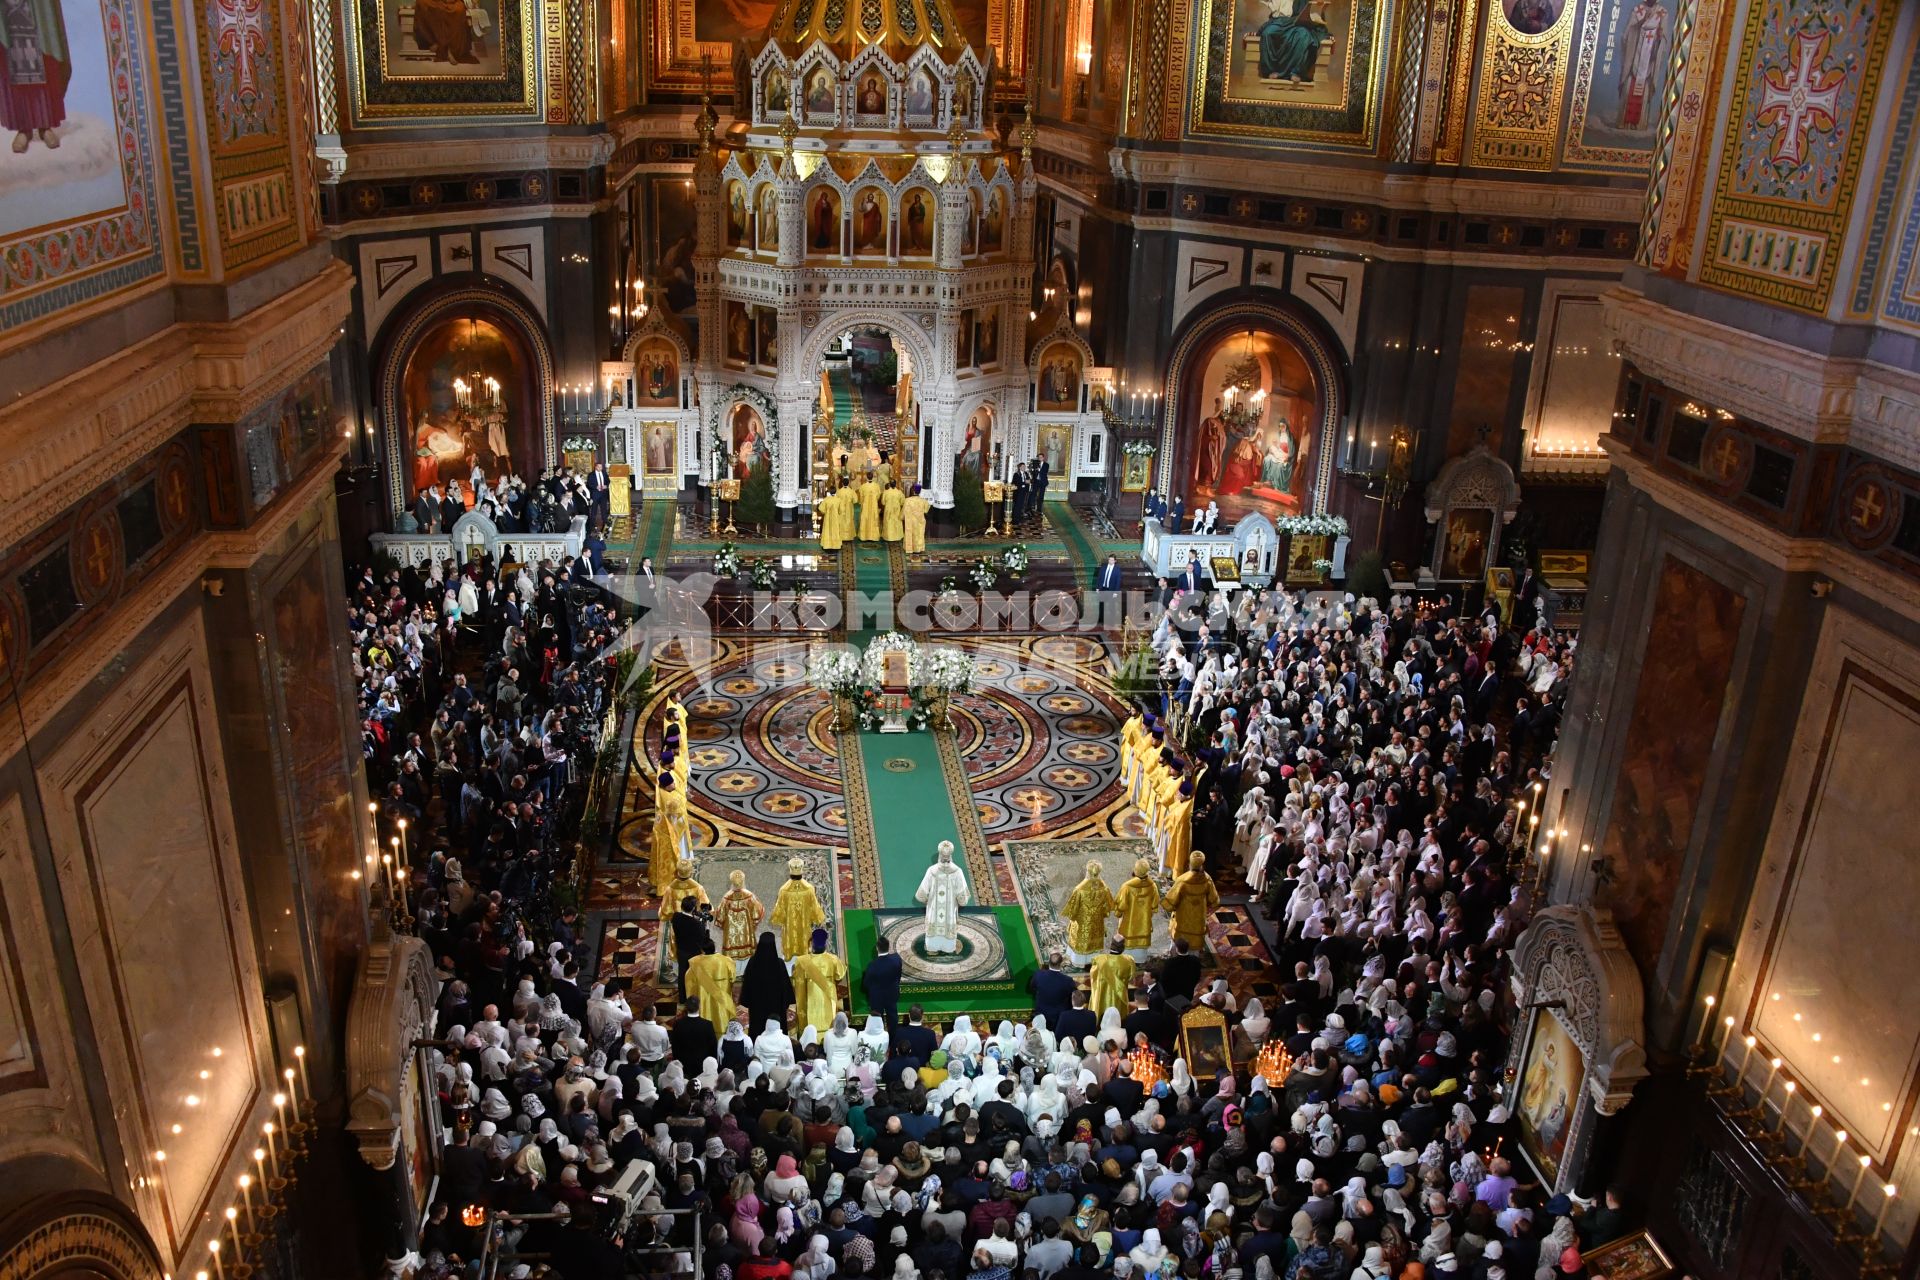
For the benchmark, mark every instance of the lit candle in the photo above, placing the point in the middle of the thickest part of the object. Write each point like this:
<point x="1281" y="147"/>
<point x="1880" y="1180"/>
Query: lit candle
<point x="1726" y="1029"/>
<point x="280" y="1109"/>
<point x="393" y="882"/>
<point x="293" y="1095"/>
<point x="1866" y="1162"/>
<point x="1746" y="1057"/>
<point x="1786" y="1105"/>
<point x="404" y="857"/>
<point x="1766" y="1090"/>
<point x="1880" y="1223"/>
<point x="213" y="1247"/>
<point x="1706" y="1025"/>
<point x="273" y="1151"/>
<point x="1839" y="1149"/>
<point x="300" y="1061"/>
<point x="233" y="1225"/>
<point x="246" y="1194"/>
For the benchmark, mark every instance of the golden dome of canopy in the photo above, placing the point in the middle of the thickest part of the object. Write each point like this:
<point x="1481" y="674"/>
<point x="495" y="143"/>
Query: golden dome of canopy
<point x="849" y="26"/>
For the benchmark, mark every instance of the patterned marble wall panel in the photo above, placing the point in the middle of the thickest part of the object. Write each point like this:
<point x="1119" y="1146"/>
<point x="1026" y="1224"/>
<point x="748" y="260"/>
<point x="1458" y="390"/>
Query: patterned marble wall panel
<point x="1807" y="82"/>
<point x="41" y="1109"/>
<point x="1831" y="907"/>
<point x="136" y="802"/>
<point x="389" y="271"/>
<point x="518" y="255"/>
<point x="79" y="204"/>
<point x="1692" y="634"/>
<point x="1201" y="270"/>
<point x="1332" y="287"/>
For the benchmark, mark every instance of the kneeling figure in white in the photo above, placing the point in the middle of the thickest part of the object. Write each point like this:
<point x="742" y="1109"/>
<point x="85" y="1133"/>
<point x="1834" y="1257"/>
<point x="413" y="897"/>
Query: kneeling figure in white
<point x="944" y="890"/>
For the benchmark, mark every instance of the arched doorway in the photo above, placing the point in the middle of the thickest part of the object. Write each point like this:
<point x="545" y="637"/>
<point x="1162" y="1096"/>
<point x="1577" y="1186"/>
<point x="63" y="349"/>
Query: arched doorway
<point x="466" y="385"/>
<point x="868" y="412"/>
<point x="1253" y="400"/>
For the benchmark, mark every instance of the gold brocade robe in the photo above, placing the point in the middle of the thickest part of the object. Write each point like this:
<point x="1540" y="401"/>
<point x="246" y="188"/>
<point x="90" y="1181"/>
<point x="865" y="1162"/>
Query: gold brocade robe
<point x="843" y="512"/>
<point x="1179" y="827"/>
<point x="817" y="977"/>
<point x="869" y="511"/>
<point x="1192" y="898"/>
<point x="672" y="839"/>
<point x="710" y="977"/>
<point x="1087" y="909"/>
<point x="892" y="527"/>
<point x="1110" y="976"/>
<point x="1135" y="906"/>
<point x="740" y="915"/>
<point x="829" y="524"/>
<point x="913" y="513"/>
<point x="685" y="887"/>
<point x="797" y="913"/>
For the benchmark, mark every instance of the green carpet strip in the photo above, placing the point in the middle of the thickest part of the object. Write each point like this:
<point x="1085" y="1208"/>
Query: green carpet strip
<point x="1086" y="559"/>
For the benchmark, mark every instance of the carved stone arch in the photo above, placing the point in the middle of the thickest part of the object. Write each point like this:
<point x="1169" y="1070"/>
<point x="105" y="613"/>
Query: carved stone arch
<point x="655" y="326"/>
<point x="1477" y="478"/>
<point x="904" y="329"/>
<point x="732" y="171"/>
<point x="1306" y="331"/>
<point x="1062" y="331"/>
<point x="76" y="1233"/>
<point x="394" y="345"/>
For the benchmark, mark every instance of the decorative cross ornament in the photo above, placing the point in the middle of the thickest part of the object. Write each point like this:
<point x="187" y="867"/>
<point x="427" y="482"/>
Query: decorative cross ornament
<point x="1800" y="97"/>
<point x="1868" y="506"/>
<point x="240" y="32"/>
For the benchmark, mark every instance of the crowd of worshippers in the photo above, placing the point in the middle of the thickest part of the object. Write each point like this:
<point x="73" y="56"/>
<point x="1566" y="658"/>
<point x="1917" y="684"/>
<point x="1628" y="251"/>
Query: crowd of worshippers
<point x="475" y="720"/>
<point x="548" y="505"/>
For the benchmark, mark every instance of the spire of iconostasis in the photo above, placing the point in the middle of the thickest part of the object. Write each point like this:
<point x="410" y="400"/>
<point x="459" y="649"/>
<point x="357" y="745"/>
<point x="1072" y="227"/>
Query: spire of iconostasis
<point x="848" y="27"/>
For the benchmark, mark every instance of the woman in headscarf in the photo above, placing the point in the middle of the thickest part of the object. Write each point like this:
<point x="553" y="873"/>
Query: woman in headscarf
<point x="962" y="1041"/>
<point x="736" y="1047"/>
<point x="873" y="1037"/>
<point x="838" y="1045"/>
<point x="784" y="1183"/>
<point x="766" y="989"/>
<point x="1149" y="1255"/>
<point x="745" y="1227"/>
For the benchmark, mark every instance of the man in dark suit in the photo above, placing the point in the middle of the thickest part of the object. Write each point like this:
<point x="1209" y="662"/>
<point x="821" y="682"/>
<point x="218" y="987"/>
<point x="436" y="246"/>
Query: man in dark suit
<point x="426" y="509"/>
<point x="1078" y="1022"/>
<point x="1022" y="487"/>
<point x="598" y="492"/>
<point x="690" y="936"/>
<point x="572" y="999"/>
<point x="1052" y="991"/>
<point x="691" y="1035"/>
<point x="1189" y="579"/>
<point x="913" y="1042"/>
<point x="1180" y="974"/>
<point x="881" y="983"/>
<point x="1107" y="583"/>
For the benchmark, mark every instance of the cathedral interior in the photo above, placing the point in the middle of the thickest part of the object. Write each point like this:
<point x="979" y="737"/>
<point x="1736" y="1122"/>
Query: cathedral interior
<point x="607" y="377"/>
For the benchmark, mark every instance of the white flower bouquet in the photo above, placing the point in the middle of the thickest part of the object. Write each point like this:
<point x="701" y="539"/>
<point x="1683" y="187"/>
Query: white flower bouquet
<point x="947" y="671"/>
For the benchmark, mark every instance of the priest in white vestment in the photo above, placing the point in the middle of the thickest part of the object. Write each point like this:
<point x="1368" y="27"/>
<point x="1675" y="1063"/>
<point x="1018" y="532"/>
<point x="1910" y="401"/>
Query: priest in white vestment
<point x="944" y="891"/>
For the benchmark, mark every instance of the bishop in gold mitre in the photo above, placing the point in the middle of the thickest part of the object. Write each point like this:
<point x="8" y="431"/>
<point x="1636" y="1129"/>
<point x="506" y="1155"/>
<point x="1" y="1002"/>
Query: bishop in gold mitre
<point x="1087" y="909"/>
<point x="1136" y="905"/>
<point x="1109" y="977"/>
<point x="1190" y="901"/>
<point x="796" y="912"/>
<point x="739" y="915"/>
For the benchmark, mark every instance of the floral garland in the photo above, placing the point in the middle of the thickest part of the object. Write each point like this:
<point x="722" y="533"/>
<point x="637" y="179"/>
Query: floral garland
<point x="1320" y="526"/>
<point x="949" y="671"/>
<point x="949" y="586"/>
<point x="726" y="561"/>
<point x="872" y="665"/>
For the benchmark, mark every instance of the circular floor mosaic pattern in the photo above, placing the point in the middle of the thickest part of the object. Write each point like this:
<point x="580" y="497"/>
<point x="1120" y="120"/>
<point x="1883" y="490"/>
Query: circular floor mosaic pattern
<point x="982" y="956"/>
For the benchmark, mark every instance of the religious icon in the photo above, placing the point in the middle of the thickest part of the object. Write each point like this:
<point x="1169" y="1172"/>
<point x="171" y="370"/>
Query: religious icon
<point x="920" y="95"/>
<point x="1643" y="66"/>
<point x="993" y="224"/>
<point x="977" y="446"/>
<point x="779" y="96"/>
<point x="736" y="215"/>
<point x="1056" y="442"/>
<point x="873" y="96"/>
<point x="1059" y="378"/>
<point x="970" y="229"/>
<point x="823" y="221"/>
<point x="660" y="441"/>
<point x="1136" y="473"/>
<point x="870" y="222"/>
<point x="1290" y="39"/>
<point x="739" y="333"/>
<point x="963" y="338"/>
<point x="916" y="222"/>
<point x="1550" y="1083"/>
<point x="769" y="229"/>
<point x="767" y="323"/>
<point x="749" y="440"/>
<point x="460" y="391"/>
<point x="1531" y="17"/>
<point x="457" y="37"/>
<point x="1463" y="556"/>
<point x="963" y="97"/>
<point x="820" y="92"/>
<point x="986" y="338"/>
<point x="656" y="373"/>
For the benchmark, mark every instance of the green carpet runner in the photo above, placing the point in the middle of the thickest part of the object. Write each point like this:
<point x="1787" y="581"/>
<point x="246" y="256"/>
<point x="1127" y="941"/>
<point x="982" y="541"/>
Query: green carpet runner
<point x="1086" y="559"/>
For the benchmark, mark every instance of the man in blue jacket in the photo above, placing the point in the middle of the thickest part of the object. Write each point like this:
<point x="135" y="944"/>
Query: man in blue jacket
<point x="881" y="983"/>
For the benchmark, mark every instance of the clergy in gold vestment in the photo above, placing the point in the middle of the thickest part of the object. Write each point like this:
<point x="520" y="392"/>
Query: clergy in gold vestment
<point x="710" y="978"/>
<point x="1110" y="977"/>
<point x="672" y="839"/>
<point x="796" y="912"/>
<point x="739" y="914"/>
<point x="913" y="520"/>
<point x="684" y="886"/>
<point x="1087" y="909"/>
<point x="1189" y="903"/>
<point x="1178" y="821"/>
<point x="816" y="984"/>
<point x="869" y="510"/>
<point x="844" y="508"/>
<point x="1135" y="906"/>
<point x="892" y="527"/>
<point x="829" y="525"/>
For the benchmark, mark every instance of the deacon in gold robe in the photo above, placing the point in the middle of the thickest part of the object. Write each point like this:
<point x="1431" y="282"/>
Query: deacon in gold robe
<point x="796" y="912"/>
<point x="816" y="984"/>
<point x="829" y="526"/>
<point x="1189" y="903"/>
<point x="672" y="837"/>
<point x="684" y="886"/>
<point x="892" y="526"/>
<point x="1109" y="978"/>
<point x="1087" y="909"/>
<point x="1165" y="787"/>
<point x="1135" y="905"/>
<point x="739" y="914"/>
<point x="1177" y="820"/>
<point x="710" y="980"/>
<point x="913" y="520"/>
<point x="869" y="510"/>
<point x="1130" y="735"/>
<point x="849" y="525"/>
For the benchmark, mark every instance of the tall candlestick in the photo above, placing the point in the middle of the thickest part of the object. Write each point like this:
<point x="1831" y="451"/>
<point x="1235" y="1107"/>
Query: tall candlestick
<point x="1813" y="1124"/>
<point x="1839" y="1149"/>
<point x="1786" y="1105"/>
<point x="1866" y="1162"/>
<point x="1880" y="1223"/>
<point x="273" y="1151"/>
<point x="293" y="1095"/>
<point x="1745" y="1058"/>
<point x="245" y="1181"/>
<point x="233" y="1227"/>
<point x="1726" y="1030"/>
<point x="213" y="1247"/>
<point x="300" y="1061"/>
<point x="280" y="1111"/>
<point x="1766" y="1089"/>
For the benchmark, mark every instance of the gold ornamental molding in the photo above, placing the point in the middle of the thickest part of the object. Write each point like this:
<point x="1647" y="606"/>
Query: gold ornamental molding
<point x="68" y="438"/>
<point x="1872" y="407"/>
<point x="371" y="160"/>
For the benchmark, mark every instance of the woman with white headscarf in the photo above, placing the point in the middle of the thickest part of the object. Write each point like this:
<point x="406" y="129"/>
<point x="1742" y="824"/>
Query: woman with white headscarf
<point x="874" y="1037"/>
<point x="1007" y="1041"/>
<point x="772" y="1048"/>
<point x="986" y="1086"/>
<point x="962" y="1041"/>
<point x="838" y="1045"/>
<point x="1040" y="1043"/>
<point x="1149" y="1255"/>
<point x="1254" y="1021"/>
<point x="1046" y="1099"/>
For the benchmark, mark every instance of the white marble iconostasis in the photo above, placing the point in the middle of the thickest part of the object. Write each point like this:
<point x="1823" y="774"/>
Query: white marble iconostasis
<point x="1823" y="958"/>
<point x="137" y="809"/>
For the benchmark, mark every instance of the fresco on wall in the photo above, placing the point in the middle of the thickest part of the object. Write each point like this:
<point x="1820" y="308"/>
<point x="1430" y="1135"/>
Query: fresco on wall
<point x="731" y="21"/>
<point x="1254" y="412"/>
<point x="670" y="265"/>
<point x="469" y="399"/>
<point x="1295" y="70"/>
<point x="442" y="57"/>
<point x="441" y="39"/>
<point x="1620" y="83"/>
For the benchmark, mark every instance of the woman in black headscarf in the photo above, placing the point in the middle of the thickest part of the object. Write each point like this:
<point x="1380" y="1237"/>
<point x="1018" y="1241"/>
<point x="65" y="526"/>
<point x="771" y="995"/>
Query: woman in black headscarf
<point x="765" y="988"/>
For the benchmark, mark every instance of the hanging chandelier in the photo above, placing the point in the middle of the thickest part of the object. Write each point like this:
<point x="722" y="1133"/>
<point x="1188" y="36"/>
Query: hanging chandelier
<point x="473" y="387"/>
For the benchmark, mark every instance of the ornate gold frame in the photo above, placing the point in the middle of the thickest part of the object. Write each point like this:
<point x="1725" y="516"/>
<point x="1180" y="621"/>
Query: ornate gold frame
<point x="436" y="96"/>
<point x="1528" y="148"/>
<point x="1204" y="1019"/>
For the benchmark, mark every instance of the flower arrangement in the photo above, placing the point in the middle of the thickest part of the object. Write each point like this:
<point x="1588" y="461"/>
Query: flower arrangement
<point x="1313" y="526"/>
<point x="835" y="672"/>
<point x="726" y="561"/>
<point x="1323" y="567"/>
<point x="947" y="671"/>
<point x="1013" y="561"/>
<point x="762" y="572"/>
<point x="871" y="665"/>
<point x="984" y="573"/>
<point x="1139" y="448"/>
<point x="949" y="586"/>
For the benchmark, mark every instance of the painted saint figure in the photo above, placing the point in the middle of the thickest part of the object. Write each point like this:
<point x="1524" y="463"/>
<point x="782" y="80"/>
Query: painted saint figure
<point x="944" y="891"/>
<point x="1290" y="41"/>
<point x="35" y="67"/>
<point x="442" y="28"/>
<point x="1641" y="60"/>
